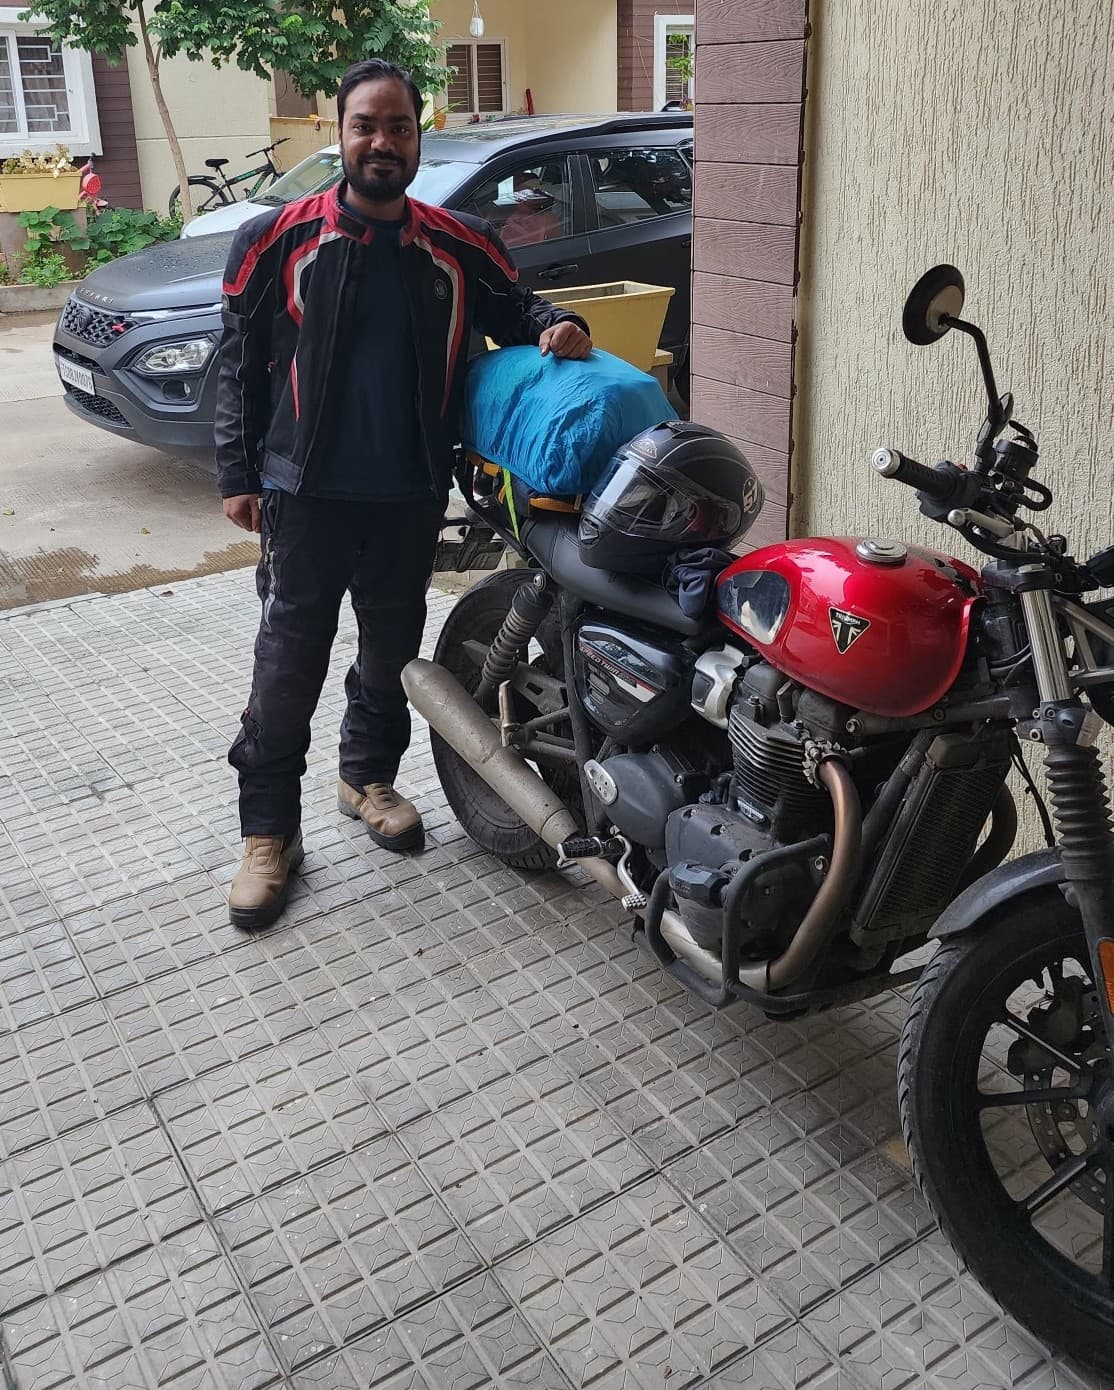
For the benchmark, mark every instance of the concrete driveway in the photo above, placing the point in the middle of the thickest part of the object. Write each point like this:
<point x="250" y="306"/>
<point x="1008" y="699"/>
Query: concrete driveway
<point x="82" y="511"/>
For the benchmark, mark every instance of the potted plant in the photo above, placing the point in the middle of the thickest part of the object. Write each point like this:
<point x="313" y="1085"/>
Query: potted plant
<point x="31" y="182"/>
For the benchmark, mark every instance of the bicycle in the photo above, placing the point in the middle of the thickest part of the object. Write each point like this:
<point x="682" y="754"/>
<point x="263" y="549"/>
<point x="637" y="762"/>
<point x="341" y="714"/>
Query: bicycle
<point x="212" y="194"/>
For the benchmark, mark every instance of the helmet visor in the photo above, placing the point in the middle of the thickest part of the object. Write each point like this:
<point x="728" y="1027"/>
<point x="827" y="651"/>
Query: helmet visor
<point x="639" y="499"/>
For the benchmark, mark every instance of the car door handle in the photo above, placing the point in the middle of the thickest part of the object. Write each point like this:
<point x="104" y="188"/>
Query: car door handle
<point x="554" y="272"/>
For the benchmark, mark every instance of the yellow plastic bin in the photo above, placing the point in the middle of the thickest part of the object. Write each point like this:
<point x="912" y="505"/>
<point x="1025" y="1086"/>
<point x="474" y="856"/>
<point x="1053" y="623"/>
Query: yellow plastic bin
<point x="625" y="317"/>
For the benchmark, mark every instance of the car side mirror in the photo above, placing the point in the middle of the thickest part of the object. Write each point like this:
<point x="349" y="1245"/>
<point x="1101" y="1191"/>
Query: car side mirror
<point x="933" y="302"/>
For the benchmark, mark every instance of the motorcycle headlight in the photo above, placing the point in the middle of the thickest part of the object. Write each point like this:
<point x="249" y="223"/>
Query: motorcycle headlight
<point x="187" y="355"/>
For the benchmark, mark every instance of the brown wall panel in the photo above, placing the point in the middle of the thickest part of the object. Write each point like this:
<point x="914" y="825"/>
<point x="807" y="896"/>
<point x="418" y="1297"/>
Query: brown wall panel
<point x="763" y="134"/>
<point x="750" y="92"/>
<point x="752" y="416"/>
<point x="747" y="192"/>
<point x="750" y="21"/>
<point x="118" y="165"/>
<point x="745" y="249"/>
<point x="751" y="72"/>
<point x="759" y="364"/>
<point x="757" y="308"/>
<point x="636" y="47"/>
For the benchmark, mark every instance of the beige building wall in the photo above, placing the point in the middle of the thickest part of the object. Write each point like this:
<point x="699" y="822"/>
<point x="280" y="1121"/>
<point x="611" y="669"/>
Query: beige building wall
<point x="981" y="134"/>
<point x="573" y="55"/>
<point x="218" y="113"/>
<point x="565" y="53"/>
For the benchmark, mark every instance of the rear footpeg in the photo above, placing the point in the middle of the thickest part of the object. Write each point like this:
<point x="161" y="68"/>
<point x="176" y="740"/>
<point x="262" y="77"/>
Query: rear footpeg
<point x="588" y="847"/>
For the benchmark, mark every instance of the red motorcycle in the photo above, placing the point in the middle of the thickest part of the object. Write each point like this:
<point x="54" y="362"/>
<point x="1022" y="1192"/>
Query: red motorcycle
<point x="804" y="782"/>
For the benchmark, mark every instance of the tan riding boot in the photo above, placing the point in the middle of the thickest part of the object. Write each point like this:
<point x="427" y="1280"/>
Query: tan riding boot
<point x="391" y="820"/>
<point x="258" y="892"/>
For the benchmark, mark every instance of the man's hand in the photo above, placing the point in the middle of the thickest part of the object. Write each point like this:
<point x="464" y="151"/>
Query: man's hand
<point x="565" y="340"/>
<point x="244" y="510"/>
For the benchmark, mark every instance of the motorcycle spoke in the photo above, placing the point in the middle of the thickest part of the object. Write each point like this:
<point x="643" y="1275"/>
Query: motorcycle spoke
<point x="1069" y="1064"/>
<point x="993" y="1100"/>
<point x="1061" y="1178"/>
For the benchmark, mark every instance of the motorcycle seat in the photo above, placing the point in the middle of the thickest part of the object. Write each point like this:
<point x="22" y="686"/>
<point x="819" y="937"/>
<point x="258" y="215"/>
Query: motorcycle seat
<point x="552" y="542"/>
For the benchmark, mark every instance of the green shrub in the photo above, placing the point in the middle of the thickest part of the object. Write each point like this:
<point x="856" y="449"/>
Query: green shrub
<point x="109" y="234"/>
<point x="46" y="271"/>
<point x="120" y="231"/>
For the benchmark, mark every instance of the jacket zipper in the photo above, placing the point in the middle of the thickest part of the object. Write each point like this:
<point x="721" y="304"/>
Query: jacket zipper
<point x="420" y="401"/>
<point x="322" y="395"/>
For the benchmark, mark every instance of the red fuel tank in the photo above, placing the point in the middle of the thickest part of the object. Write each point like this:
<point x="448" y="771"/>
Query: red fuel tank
<point x="876" y="625"/>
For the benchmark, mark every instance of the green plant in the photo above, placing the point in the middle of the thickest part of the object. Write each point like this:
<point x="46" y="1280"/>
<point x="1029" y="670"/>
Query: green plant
<point x="120" y="231"/>
<point x="46" y="272"/>
<point x="5" y="272"/>
<point x="109" y="234"/>
<point x="49" y="228"/>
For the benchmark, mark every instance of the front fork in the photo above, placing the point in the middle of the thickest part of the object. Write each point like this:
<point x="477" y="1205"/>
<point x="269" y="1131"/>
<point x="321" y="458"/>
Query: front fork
<point x="1077" y="789"/>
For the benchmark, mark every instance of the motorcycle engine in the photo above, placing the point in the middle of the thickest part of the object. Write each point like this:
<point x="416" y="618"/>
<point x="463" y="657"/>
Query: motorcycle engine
<point x="763" y="802"/>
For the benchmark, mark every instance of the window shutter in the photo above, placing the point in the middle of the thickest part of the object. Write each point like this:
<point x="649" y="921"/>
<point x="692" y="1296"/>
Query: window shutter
<point x="489" y="77"/>
<point x="459" y="90"/>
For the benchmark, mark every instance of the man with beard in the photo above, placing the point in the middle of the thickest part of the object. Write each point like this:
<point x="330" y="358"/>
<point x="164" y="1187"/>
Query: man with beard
<point x="347" y="318"/>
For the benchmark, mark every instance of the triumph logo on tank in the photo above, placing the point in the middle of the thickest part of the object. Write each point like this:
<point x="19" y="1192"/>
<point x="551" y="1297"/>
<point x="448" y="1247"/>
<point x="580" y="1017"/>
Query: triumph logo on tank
<point x="847" y="628"/>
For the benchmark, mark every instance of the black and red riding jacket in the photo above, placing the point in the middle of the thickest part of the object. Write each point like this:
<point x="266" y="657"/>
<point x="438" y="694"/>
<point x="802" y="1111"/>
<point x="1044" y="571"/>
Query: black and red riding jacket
<point x="288" y="312"/>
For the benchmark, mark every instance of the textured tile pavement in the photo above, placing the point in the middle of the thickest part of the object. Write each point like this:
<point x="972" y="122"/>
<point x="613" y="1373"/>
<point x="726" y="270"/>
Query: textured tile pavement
<point x="444" y="1128"/>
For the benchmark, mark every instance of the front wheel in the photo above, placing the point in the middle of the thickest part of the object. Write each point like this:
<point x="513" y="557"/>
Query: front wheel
<point x="205" y="194"/>
<point x="1007" y="1098"/>
<point x="485" y="817"/>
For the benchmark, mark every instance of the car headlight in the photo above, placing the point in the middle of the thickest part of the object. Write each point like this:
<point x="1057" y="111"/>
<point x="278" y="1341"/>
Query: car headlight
<point x="188" y="355"/>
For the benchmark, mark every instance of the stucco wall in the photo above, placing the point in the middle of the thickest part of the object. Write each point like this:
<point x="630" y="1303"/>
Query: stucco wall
<point x="572" y="50"/>
<point x="976" y="133"/>
<point x="217" y="114"/>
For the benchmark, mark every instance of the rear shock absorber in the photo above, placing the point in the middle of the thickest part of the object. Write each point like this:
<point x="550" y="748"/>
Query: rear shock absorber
<point x="529" y="609"/>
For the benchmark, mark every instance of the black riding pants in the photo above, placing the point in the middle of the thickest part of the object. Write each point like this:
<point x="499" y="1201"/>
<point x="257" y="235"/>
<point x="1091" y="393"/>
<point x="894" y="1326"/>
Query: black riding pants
<point x="313" y="550"/>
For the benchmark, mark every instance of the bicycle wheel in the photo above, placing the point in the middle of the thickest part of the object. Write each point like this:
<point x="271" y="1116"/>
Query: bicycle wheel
<point x="205" y="194"/>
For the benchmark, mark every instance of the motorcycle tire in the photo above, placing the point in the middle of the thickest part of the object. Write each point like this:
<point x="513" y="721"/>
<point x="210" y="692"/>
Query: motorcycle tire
<point x="214" y="196"/>
<point x="485" y="817"/>
<point x="958" y="1001"/>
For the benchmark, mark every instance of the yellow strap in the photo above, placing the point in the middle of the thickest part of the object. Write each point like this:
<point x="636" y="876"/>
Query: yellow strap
<point x="552" y="504"/>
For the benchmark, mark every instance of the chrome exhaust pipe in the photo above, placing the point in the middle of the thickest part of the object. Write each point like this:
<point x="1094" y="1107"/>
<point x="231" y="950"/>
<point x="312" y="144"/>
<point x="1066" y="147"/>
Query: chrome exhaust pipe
<point x="452" y="713"/>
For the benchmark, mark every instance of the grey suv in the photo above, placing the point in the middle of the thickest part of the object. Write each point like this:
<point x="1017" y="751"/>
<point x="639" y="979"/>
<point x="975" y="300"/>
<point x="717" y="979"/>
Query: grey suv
<point x="578" y="200"/>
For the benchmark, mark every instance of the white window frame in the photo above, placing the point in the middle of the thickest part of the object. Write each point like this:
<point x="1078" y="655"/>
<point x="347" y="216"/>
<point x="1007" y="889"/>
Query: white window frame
<point x="464" y="118"/>
<point x="664" y="25"/>
<point x="84" y="135"/>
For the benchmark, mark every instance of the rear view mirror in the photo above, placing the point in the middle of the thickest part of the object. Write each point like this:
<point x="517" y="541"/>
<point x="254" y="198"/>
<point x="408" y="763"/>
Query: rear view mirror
<point x="936" y="298"/>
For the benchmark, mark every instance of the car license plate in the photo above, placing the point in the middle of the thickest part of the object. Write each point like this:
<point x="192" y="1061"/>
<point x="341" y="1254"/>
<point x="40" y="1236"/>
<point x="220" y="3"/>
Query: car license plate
<point x="70" y="372"/>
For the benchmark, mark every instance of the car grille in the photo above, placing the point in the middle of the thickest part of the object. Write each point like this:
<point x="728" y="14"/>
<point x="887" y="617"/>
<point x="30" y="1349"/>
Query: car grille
<point x="96" y="405"/>
<point x="94" y="326"/>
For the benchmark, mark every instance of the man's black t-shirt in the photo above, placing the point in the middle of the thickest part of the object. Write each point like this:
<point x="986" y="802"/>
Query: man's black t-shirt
<point x="375" y="448"/>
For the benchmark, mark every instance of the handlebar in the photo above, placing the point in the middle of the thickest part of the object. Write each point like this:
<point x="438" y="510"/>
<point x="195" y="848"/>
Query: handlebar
<point x="934" y="482"/>
<point x="268" y="148"/>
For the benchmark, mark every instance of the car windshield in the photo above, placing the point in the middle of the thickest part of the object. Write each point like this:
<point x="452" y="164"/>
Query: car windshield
<point x="435" y="179"/>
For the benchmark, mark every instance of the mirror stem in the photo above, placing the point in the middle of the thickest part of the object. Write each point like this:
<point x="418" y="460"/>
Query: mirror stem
<point x="972" y="330"/>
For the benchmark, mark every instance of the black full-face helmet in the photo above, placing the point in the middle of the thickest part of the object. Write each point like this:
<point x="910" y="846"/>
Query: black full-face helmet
<point x="673" y="487"/>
